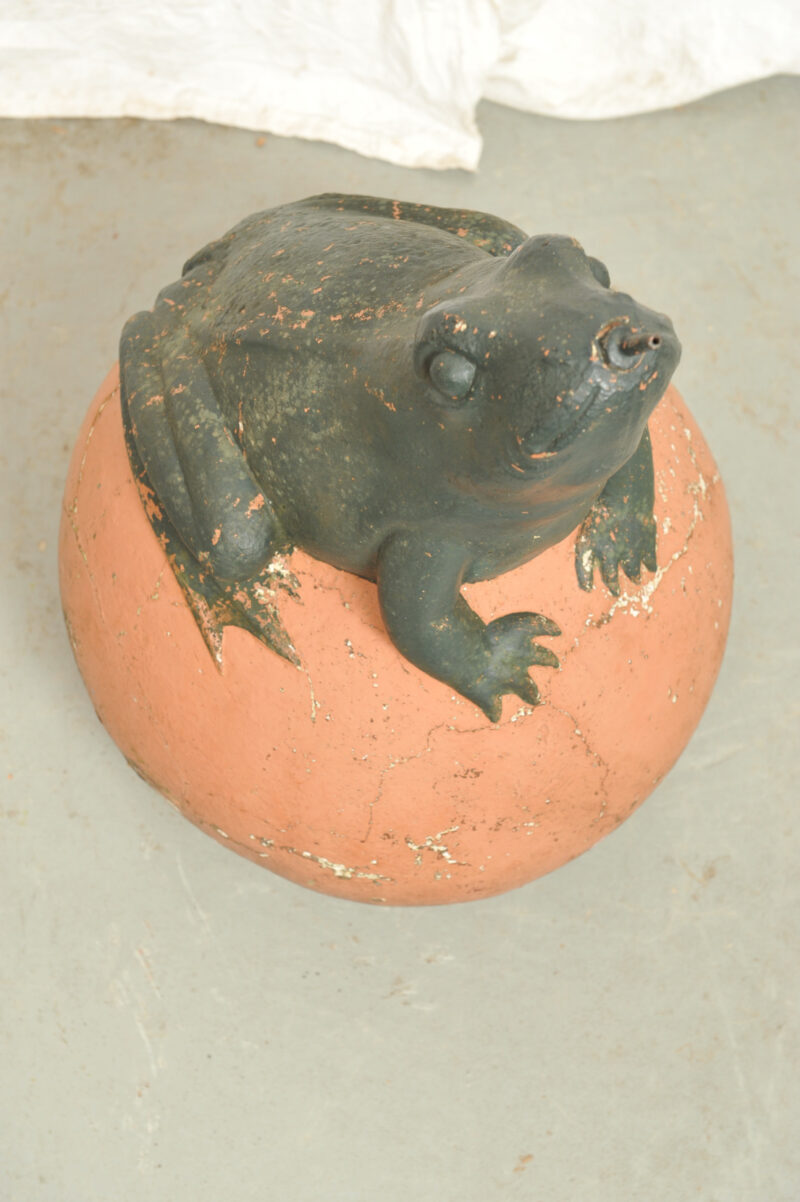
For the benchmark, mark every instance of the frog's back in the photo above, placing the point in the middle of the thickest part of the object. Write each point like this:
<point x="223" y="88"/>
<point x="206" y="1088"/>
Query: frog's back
<point x="335" y="258"/>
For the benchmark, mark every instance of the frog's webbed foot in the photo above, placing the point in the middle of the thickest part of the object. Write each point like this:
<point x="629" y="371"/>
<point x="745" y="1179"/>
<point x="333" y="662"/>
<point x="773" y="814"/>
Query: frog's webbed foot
<point x="214" y="522"/>
<point x="612" y="541"/>
<point x="512" y="652"/>
<point x="419" y="583"/>
<point x="619" y="530"/>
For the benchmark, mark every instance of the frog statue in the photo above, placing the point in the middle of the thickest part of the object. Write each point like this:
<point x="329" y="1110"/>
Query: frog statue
<point x="422" y="396"/>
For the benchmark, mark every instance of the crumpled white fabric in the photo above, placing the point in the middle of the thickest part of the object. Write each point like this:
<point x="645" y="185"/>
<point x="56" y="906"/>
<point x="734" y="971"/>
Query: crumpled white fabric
<point x="396" y="79"/>
<point x="575" y="58"/>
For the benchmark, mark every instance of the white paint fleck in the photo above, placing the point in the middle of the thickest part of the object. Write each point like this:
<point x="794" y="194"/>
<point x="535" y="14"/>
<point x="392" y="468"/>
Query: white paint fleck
<point x="521" y="713"/>
<point x="434" y="843"/>
<point x="315" y="705"/>
<point x="339" y="870"/>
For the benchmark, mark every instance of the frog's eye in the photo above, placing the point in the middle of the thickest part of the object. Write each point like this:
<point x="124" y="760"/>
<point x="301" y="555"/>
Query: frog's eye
<point x="600" y="272"/>
<point x="451" y="374"/>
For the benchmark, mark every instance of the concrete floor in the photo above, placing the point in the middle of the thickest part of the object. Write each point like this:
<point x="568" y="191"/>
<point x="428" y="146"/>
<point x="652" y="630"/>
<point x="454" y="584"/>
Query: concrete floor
<point x="177" y="1023"/>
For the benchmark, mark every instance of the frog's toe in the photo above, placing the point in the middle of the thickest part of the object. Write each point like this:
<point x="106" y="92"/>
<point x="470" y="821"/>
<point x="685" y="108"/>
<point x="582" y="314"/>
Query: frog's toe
<point x="513" y="646"/>
<point x="649" y="558"/>
<point x="491" y="704"/>
<point x="528" y="691"/>
<point x="609" y="570"/>
<point x="489" y="693"/>
<point x="518" y="629"/>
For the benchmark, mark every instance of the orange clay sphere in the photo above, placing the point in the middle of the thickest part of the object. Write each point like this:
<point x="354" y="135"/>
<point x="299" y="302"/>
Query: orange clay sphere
<point x="358" y="775"/>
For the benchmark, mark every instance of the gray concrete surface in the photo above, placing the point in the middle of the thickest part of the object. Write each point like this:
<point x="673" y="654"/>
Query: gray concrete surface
<point x="179" y="1024"/>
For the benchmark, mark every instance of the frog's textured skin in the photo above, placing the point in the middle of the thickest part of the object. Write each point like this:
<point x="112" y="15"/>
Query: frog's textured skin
<point x="421" y="396"/>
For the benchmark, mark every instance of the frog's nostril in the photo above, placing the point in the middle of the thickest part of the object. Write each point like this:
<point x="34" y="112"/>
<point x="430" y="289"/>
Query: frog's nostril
<point x="641" y="342"/>
<point x="620" y="345"/>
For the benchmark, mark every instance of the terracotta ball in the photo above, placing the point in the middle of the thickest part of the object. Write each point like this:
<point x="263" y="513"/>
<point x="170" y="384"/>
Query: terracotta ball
<point x="358" y="775"/>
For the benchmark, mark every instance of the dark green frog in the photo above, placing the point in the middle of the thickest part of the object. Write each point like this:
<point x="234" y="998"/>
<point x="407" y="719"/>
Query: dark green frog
<point x="421" y="396"/>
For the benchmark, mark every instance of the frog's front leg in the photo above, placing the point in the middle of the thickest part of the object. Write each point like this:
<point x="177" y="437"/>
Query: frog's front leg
<point x="620" y="531"/>
<point x="419" y="588"/>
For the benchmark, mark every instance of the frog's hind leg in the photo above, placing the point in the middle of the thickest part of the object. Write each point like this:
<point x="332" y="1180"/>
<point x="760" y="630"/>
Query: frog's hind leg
<point x="215" y="523"/>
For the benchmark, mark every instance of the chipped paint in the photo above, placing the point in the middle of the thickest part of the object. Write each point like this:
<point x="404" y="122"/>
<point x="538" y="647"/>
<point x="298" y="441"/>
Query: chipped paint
<point x="434" y="843"/>
<point x="342" y="871"/>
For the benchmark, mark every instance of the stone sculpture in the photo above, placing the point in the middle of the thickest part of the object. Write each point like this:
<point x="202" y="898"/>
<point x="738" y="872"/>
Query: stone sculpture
<point x="424" y="397"/>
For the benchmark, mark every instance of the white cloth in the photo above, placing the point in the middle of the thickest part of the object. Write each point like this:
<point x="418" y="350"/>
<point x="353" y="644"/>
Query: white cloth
<point x="397" y="79"/>
<point x="576" y="58"/>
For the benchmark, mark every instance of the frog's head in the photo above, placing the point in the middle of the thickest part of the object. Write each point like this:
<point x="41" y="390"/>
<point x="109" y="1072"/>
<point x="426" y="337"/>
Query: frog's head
<point x="540" y="369"/>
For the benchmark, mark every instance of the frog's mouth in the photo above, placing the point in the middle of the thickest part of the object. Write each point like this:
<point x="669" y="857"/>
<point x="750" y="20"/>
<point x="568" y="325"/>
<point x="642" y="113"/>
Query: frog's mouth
<point x="622" y="360"/>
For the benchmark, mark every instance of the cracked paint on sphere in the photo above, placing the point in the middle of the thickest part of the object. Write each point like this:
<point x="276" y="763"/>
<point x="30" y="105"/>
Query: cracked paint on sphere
<point x="358" y="775"/>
